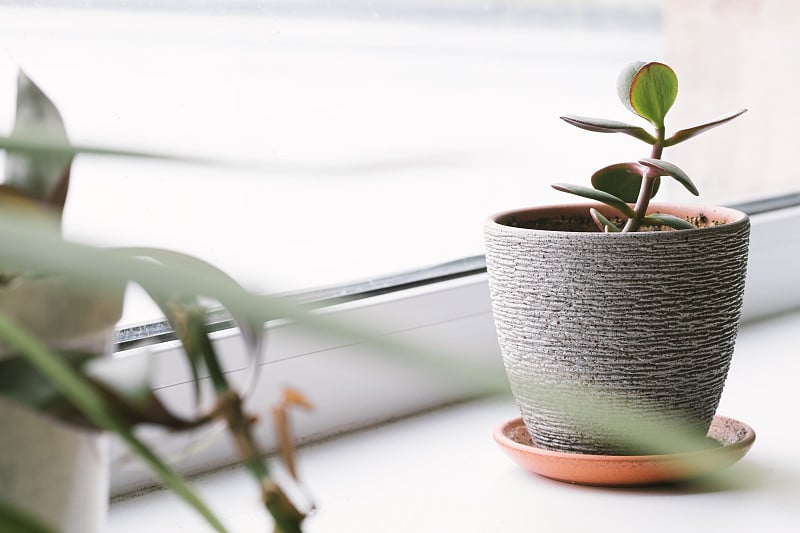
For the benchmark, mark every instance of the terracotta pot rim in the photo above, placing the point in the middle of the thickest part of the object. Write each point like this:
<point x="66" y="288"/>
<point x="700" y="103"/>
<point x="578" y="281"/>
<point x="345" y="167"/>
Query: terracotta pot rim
<point x="732" y="218"/>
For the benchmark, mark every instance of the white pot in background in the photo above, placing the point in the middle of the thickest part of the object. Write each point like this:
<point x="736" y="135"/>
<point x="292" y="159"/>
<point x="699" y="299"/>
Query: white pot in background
<point x="52" y="471"/>
<point x="56" y="472"/>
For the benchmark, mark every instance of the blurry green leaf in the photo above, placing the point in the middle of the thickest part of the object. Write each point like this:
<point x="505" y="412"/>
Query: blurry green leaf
<point x="15" y="520"/>
<point x="125" y="384"/>
<point x="27" y="247"/>
<point x="187" y="315"/>
<point x="44" y="176"/>
<point x="688" y="133"/>
<point x="28" y="206"/>
<point x="609" y="126"/>
<point x="664" y="168"/>
<point x="623" y="180"/>
<point x="663" y="219"/>
<point x="41" y="147"/>
<point x="594" y="194"/>
<point x="22" y="382"/>
<point x="80" y="392"/>
<point x="602" y="222"/>
<point x="648" y="89"/>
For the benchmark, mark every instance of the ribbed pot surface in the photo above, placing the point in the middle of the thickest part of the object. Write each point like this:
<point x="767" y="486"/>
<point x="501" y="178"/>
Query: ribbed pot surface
<point x="608" y="337"/>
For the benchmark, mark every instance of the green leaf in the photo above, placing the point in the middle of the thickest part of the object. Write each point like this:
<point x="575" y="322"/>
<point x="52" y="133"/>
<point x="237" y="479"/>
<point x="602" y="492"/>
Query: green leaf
<point x="609" y="126"/>
<point x="125" y="383"/>
<point x="15" y="520"/>
<point x="663" y="219"/>
<point x="38" y="147"/>
<point x="664" y="168"/>
<point x="44" y="176"/>
<point x="600" y="196"/>
<point x="80" y="392"/>
<point x="623" y="180"/>
<point x="648" y="89"/>
<point x="188" y="316"/>
<point x="602" y="222"/>
<point x="21" y="382"/>
<point x="688" y="133"/>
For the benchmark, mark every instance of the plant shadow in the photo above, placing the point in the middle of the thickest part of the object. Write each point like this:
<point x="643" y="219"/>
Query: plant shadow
<point x="742" y="478"/>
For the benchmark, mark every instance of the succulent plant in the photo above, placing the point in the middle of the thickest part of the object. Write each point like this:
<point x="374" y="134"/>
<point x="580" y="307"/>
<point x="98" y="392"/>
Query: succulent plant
<point x="648" y="90"/>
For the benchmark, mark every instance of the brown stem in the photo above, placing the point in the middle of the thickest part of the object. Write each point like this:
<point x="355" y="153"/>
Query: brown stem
<point x="645" y="191"/>
<point x="288" y="518"/>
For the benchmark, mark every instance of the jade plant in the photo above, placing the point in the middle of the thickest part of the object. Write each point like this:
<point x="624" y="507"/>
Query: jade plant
<point x="114" y="394"/>
<point x="648" y="90"/>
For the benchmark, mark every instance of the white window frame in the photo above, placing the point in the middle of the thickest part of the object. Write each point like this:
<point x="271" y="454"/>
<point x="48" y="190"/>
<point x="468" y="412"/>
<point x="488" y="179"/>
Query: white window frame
<point x="353" y="385"/>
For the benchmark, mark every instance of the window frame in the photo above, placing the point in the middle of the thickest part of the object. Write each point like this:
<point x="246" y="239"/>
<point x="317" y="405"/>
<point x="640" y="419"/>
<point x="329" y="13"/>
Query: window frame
<point x="447" y="306"/>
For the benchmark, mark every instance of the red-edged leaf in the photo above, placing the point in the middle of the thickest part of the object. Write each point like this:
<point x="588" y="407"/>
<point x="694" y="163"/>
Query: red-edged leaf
<point x="664" y="168"/>
<point x="663" y="219"/>
<point x="688" y="133"/>
<point x="623" y="180"/>
<point x="594" y="194"/>
<point x="648" y="89"/>
<point x="602" y="222"/>
<point x="603" y="125"/>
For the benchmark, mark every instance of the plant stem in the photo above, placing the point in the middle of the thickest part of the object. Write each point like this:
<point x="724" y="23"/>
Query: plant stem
<point x="288" y="519"/>
<point x="645" y="191"/>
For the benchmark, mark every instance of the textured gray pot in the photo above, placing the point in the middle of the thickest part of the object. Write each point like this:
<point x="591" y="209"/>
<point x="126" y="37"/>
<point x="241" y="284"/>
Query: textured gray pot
<point x="604" y="336"/>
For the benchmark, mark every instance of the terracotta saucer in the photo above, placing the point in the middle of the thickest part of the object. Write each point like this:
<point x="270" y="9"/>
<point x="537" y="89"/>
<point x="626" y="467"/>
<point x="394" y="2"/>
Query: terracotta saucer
<point x="734" y="439"/>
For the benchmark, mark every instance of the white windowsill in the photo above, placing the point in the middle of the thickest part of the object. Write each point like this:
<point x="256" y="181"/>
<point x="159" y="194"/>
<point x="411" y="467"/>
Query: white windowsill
<point x="441" y="471"/>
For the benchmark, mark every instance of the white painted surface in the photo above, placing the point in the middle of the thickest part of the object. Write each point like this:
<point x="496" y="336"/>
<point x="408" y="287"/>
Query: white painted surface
<point x="442" y="472"/>
<point x="379" y="144"/>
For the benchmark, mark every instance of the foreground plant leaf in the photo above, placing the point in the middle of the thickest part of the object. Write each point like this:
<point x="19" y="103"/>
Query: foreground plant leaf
<point x="594" y="194"/>
<point x="14" y="520"/>
<point x="609" y="126"/>
<point x="43" y="176"/>
<point x="664" y="168"/>
<point x="649" y="90"/>
<point x="125" y="384"/>
<point x="623" y="180"/>
<point x="280" y="417"/>
<point x="81" y="393"/>
<point x="188" y="315"/>
<point x="682" y="135"/>
<point x="177" y="306"/>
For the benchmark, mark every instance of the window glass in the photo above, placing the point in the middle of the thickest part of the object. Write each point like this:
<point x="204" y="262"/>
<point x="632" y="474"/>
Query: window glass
<point x="361" y="138"/>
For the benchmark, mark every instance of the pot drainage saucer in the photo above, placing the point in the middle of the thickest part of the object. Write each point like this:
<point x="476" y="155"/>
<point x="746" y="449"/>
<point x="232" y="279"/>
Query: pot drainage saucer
<point x="733" y="437"/>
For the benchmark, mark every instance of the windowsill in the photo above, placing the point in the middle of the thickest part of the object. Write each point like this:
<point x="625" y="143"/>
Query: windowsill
<point x="441" y="471"/>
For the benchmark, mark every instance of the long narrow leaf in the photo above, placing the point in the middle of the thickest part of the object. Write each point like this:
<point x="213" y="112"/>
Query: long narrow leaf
<point x="600" y="196"/>
<point x="663" y="219"/>
<point x="42" y="147"/>
<point x="603" y="125"/>
<point x="688" y="133"/>
<point x="80" y="392"/>
<point x="602" y="222"/>
<point x="27" y="247"/>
